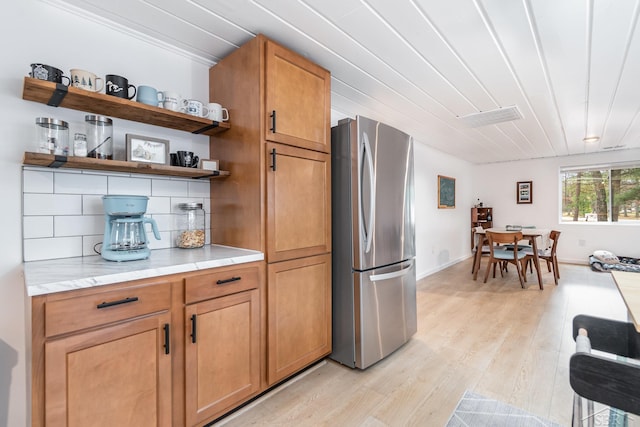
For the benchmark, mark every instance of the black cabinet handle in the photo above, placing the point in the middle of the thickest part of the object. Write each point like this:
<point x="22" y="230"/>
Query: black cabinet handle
<point x="112" y="303"/>
<point x="273" y="159"/>
<point x="273" y="121"/>
<point x="167" y="339"/>
<point x="193" y="328"/>
<point x="225" y="281"/>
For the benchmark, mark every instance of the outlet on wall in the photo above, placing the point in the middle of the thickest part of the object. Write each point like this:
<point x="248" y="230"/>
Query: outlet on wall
<point x="582" y="242"/>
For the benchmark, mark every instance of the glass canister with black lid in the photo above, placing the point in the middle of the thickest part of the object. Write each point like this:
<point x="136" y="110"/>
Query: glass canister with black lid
<point x="52" y="136"/>
<point x="99" y="131"/>
<point x="190" y="225"/>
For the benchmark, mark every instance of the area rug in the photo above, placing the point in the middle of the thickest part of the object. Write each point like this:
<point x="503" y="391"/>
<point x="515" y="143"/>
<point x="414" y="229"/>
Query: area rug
<point x="475" y="410"/>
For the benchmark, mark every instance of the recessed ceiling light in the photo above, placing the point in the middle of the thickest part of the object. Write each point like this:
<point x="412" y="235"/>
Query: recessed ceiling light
<point x="591" y="139"/>
<point x="491" y="117"/>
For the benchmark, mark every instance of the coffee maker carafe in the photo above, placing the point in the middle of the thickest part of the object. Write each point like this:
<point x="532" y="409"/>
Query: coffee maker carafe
<point x="125" y="238"/>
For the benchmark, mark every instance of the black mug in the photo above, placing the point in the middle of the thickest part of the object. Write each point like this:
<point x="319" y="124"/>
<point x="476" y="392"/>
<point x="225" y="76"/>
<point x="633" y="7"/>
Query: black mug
<point x="187" y="159"/>
<point x="118" y="86"/>
<point x="49" y="73"/>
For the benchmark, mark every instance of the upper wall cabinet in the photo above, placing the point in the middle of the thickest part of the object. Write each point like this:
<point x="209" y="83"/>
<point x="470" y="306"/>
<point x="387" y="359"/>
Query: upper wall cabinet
<point x="298" y="100"/>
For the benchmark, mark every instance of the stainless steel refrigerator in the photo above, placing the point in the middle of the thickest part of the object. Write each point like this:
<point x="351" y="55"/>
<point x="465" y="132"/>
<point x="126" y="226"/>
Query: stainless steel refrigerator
<point x="374" y="276"/>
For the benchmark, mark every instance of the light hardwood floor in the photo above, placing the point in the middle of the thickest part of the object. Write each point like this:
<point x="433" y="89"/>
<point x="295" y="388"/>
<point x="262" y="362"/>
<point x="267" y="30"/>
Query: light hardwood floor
<point x="496" y="339"/>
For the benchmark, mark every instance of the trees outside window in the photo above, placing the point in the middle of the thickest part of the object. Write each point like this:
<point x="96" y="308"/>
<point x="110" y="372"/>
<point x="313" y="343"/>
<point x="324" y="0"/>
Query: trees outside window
<point x="601" y="195"/>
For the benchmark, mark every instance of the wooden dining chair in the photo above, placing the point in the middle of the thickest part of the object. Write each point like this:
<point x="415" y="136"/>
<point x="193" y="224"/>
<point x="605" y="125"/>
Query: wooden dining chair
<point x="484" y="244"/>
<point x="499" y="256"/>
<point x="548" y="255"/>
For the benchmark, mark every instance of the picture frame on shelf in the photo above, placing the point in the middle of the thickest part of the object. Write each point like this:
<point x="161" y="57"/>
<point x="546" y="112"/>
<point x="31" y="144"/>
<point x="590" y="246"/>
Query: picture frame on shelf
<point x="209" y="164"/>
<point x="145" y="149"/>
<point x="524" y="192"/>
<point x="446" y="192"/>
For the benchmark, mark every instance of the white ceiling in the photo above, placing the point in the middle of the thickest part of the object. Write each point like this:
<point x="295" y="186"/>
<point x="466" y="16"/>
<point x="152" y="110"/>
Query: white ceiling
<point x="570" y="66"/>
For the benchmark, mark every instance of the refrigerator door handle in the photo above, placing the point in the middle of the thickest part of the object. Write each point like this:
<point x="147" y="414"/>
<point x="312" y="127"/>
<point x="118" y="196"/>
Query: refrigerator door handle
<point x="372" y="194"/>
<point x="387" y="276"/>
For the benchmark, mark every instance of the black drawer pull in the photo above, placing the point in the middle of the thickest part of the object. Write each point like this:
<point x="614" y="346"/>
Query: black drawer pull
<point x="193" y="328"/>
<point x="167" y="339"/>
<point x="273" y="121"/>
<point x="121" y="301"/>
<point x="225" y="281"/>
<point x="273" y="159"/>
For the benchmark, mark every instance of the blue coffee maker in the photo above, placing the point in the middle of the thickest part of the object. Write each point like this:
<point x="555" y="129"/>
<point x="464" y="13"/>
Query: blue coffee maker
<point x="125" y="238"/>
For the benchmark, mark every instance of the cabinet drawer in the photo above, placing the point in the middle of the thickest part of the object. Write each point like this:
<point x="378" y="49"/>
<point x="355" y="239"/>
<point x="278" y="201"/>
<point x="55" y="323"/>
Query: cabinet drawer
<point x="76" y="313"/>
<point x="219" y="283"/>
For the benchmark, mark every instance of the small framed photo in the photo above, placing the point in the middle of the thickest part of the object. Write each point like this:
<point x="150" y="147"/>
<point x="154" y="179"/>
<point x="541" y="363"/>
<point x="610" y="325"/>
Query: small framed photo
<point x="209" y="164"/>
<point x="524" y="192"/>
<point x="145" y="149"/>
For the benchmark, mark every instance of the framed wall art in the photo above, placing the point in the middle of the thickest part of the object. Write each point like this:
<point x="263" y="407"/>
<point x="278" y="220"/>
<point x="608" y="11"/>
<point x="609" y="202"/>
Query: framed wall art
<point x="446" y="192"/>
<point x="145" y="149"/>
<point x="524" y="192"/>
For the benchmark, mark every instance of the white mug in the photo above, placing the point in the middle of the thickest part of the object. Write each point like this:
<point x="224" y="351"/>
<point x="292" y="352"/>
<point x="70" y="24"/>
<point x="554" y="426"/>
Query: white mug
<point x="172" y="100"/>
<point x="86" y="80"/>
<point x="217" y="112"/>
<point x="194" y="107"/>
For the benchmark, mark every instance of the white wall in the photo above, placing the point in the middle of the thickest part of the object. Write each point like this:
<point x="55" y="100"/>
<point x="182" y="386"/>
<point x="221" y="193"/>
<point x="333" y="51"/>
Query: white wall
<point x="34" y="31"/>
<point x="495" y="185"/>
<point x="443" y="236"/>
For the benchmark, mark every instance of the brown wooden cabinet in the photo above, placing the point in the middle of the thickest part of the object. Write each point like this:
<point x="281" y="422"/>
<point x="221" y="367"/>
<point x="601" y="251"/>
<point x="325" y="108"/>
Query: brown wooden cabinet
<point x="176" y="350"/>
<point x="116" y="375"/>
<point x="223" y="341"/>
<point x="298" y="100"/>
<point x="298" y="202"/>
<point x="299" y="306"/>
<point x="277" y="198"/>
<point x="103" y="357"/>
<point x="480" y="217"/>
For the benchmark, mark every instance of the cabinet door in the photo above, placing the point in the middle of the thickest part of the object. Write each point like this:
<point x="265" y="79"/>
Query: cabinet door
<point x="114" y="376"/>
<point x="299" y="314"/>
<point x="298" y="93"/>
<point x="298" y="203"/>
<point x="222" y="357"/>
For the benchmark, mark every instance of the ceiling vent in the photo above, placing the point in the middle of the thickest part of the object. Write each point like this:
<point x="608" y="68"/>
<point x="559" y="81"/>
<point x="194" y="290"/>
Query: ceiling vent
<point x="491" y="117"/>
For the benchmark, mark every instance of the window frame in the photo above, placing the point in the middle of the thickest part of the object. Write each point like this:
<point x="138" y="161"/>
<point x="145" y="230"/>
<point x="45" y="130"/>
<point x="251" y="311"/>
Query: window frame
<point x="595" y="167"/>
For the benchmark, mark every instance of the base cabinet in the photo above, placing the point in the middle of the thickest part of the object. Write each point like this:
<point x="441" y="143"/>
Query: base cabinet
<point x="222" y="354"/>
<point x="181" y="350"/>
<point x="299" y="314"/>
<point x="113" y="376"/>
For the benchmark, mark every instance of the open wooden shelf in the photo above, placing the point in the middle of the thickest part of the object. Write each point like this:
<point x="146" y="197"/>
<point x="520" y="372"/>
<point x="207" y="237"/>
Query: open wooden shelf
<point x="53" y="161"/>
<point x="98" y="103"/>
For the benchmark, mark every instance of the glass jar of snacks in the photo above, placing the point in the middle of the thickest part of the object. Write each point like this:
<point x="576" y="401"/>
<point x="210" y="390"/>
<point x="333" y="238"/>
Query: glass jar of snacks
<point x="190" y="226"/>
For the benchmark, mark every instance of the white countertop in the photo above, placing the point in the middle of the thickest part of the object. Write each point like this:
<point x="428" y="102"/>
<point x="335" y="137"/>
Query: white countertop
<point x="44" y="277"/>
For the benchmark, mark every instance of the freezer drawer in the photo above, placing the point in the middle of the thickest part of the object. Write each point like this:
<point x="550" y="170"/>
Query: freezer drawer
<point x="385" y="311"/>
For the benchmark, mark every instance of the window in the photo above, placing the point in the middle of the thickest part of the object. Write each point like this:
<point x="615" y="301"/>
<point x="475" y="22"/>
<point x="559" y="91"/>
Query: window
<point x="603" y="194"/>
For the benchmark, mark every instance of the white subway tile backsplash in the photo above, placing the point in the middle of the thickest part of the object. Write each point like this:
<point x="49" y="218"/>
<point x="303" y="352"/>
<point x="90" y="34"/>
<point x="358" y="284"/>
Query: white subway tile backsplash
<point x="63" y="214"/>
<point x="37" y="226"/>
<point x="53" y="248"/>
<point x="73" y="183"/>
<point x="129" y="186"/>
<point x="164" y="222"/>
<point x="199" y="188"/>
<point x="159" y="205"/>
<point x="80" y="225"/>
<point x="170" y="187"/>
<point x="52" y="204"/>
<point x="92" y="205"/>
<point x="89" y="244"/>
<point x="37" y="181"/>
